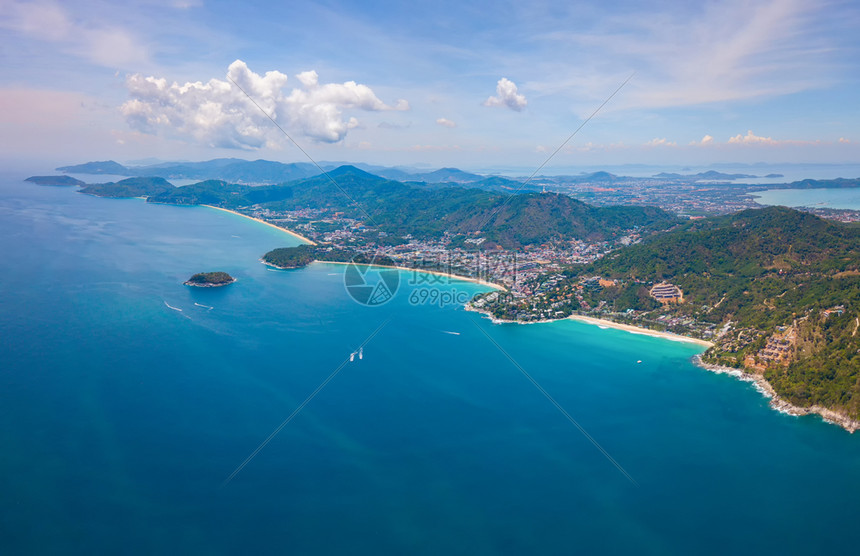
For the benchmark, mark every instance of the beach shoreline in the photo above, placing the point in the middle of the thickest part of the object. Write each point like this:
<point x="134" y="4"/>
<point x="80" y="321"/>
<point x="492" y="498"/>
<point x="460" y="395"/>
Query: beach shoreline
<point x="433" y="272"/>
<point x="640" y="330"/>
<point x="761" y="384"/>
<point x="602" y="323"/>
<point x="778" y="403"/>
<point x="261" y="221"/>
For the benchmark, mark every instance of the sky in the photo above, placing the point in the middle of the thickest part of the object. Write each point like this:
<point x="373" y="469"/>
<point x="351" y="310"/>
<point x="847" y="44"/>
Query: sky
<point x="477" y="85"/>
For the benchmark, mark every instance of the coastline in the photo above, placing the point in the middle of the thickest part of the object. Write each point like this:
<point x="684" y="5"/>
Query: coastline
<point x="776" y="402"/>
<point x="761" y="384"/>
<point x="602" y="323"/>
<point x="207" y="285"/>
<point x="639" y="330"/>
<point x="290" y="232"/>
<point x="433" y="272"/>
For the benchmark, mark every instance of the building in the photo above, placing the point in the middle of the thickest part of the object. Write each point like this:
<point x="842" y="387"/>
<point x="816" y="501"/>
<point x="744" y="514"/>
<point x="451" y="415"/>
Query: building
<point x="667" y="293"/>
<point x="779" y="349"/>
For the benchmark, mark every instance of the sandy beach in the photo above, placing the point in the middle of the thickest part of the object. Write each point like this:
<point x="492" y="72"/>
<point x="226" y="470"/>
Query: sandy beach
<point x="286" y="231"/>
<point x="433" y="272"/>
<point x="639" y="330"/>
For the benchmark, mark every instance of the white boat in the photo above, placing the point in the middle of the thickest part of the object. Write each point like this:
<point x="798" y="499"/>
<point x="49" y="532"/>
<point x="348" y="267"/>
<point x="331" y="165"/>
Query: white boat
<point x="360" y="353"/>
<point x="352" y="356"/>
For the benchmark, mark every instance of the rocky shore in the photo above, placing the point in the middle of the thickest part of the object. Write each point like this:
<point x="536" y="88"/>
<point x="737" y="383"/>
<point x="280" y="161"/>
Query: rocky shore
<point x="778" y="403"/>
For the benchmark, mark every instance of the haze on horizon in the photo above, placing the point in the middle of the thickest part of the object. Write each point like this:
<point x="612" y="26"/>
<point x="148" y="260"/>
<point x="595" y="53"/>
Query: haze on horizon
<point x="471" y="85"/>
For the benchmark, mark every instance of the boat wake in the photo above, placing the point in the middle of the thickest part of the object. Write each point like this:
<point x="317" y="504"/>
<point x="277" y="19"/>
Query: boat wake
<point x="449" y="332"/>
<point x="204" y="306"/>
<point x="172" y="307"/>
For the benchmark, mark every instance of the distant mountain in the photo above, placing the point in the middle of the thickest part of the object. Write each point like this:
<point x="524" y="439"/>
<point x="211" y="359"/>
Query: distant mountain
<point x="838" y="183"/>
<point x="445" y="175"/>
<point x="709" y="175"/>
<point x="498" y="183"/>
<point x="401" y="209"/>
<point x="105" y="167"/>
<point x="528" y="218"/>
<point x="130" y="187"/>
<point x="228" y="169"/>
<point x="605" y="177"/>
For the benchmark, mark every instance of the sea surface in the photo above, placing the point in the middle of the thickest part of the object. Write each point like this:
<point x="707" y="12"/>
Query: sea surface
<point x="842" y="198"/>
<point x="128" y="399"/>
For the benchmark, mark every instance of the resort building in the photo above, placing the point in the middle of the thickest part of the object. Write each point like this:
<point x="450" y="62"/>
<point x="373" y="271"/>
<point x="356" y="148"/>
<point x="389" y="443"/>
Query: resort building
<point x="667" y="293"/>
<point x="779" y="350"/>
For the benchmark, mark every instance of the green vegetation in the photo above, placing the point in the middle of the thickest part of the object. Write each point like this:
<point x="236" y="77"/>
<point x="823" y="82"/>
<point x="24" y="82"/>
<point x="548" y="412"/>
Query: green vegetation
<point x="291" y="257"/>
<point x="303" y="255"/>
<point x="130" y="187"/>
<point x="828" y="369"/>
<point x="399" y="209"/>
<point x="54" y="180"/>
<point x="210" y="279"/>
<point x="744" y="276"/>
<point x="830" y="184"/>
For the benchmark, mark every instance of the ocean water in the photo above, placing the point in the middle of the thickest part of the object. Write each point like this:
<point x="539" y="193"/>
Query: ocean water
<point x="121" y="418"/>
<point x="824" y="198"/>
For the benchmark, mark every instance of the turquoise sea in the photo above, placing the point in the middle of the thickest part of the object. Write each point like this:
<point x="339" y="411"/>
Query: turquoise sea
<point x="121" y="418"/>
<point x="846" y="198"/>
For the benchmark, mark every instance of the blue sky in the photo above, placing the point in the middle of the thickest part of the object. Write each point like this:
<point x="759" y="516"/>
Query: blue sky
<point x="470" y="84"/>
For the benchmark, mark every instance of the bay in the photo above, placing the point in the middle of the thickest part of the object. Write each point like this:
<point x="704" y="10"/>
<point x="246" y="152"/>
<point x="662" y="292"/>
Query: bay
<point x="844" y="198"/>
<point x="121" y="418"/>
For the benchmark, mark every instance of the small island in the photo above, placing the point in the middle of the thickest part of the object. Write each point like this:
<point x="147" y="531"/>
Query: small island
<point x="55" y="180"/>
<point x="210" y="280"/>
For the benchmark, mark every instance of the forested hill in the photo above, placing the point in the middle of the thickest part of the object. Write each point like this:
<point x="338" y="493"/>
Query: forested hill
<point x="749" y="243"/>
<point x="129" y="187"/>
<point x="400" y="209"/>
<point x="754" y="274"/>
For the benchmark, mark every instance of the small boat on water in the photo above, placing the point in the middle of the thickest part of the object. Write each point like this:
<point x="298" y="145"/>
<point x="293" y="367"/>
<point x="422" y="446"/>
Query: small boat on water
<point x="360" y="353"/>
<point x="352" y="356"/>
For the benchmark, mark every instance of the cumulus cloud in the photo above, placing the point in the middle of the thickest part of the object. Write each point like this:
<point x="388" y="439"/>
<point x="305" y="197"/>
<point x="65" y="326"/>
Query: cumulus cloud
<point x="751" y="139"/>
<point x="657" y="142"/>
<point x="507" y="96"/>
<point x="445" y="122"/>
<point x="218" y="114"/>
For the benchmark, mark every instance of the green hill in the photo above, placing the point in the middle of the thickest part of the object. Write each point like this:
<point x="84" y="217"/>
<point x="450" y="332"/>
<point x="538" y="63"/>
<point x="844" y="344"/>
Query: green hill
<point x="752" y="273"/>
<point x="54" y="180"/>
<point x="400" y="209"/>
<point x="130" y="187"/>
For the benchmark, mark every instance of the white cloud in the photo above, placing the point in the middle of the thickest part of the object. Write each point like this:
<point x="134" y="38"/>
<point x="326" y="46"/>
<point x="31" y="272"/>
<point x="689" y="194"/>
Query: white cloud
<point x="706" y="140"/>
<point x="657" y="142"/>
<point x="507" y="95"/>
<point x="218" y="114"/>
<point x="751" y="139"/>
<point x="445" y="122"/>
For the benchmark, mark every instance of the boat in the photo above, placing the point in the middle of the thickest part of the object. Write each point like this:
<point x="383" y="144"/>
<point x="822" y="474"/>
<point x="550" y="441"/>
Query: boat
<point x="360" y="353"/>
